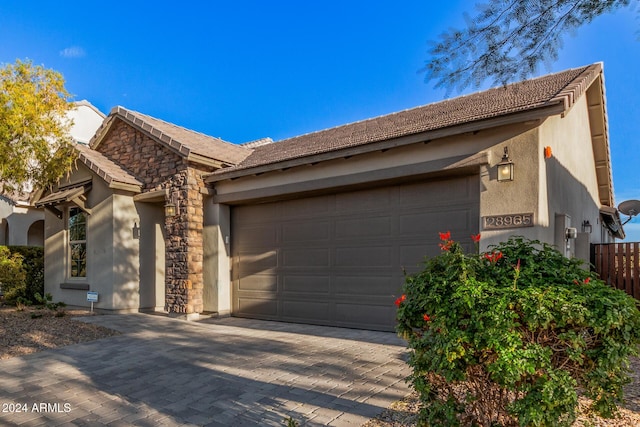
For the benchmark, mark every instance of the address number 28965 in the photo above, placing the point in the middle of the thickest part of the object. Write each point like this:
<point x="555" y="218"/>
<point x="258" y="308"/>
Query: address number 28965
<point x="507" y="221"/>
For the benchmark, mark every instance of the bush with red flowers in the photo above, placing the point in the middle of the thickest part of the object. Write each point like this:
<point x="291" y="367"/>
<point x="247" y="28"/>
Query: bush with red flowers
<point x="509" y="336"/>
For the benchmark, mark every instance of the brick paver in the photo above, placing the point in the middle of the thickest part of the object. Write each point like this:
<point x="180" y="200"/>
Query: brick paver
<point x="218" y="372"/>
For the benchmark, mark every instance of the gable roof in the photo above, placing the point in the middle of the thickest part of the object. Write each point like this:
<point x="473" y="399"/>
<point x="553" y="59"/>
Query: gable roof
<point x="194" y="146"/>
<point x="113" y="174"/>
<point x="535" y="98"/>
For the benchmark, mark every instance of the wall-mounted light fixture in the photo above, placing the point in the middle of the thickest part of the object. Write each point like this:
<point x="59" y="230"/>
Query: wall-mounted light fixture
<point x="505" y="167"/>
<point x="586" y="226"/>
<point x="136" y="230"/>
<point x="170" y="208"/>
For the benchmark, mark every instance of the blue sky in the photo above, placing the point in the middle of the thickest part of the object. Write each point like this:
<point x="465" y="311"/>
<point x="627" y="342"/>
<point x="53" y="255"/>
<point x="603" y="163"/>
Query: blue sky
<point x="245" y="70"/>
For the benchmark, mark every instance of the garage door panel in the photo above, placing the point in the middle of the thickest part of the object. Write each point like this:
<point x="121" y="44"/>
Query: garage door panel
<point x="305" y="231"/>
<point x="438" y="192"/>
<point x="339" y="259"/>
<point x="361" y="228"/>
<point x="364" y="256"/>
<point x="367" y="285"/>
<point x="266" y="307"/>
<point x="312" y="310"/>
<point x="252" y="214"/>
<point x="309" y="284"/>
<point x="305" y="207"/>
<point x="261" y="236"/>
<point x="367" y="200"/>
<point x="428" y="224"/>
<point x="257" y="262"/>
<point x="412" y="256"/>
<point x="259" y="282"/>
<point x="378" y="316"/>
<point x="306" y="257"/>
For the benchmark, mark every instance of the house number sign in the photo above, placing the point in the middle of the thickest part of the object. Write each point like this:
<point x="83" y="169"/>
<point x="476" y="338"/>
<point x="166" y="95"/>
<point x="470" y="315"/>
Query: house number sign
<point x="496" y="222"/>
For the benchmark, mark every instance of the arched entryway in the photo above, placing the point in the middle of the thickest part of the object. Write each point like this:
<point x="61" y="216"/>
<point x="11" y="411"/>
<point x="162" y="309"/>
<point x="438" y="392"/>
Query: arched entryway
<point x="35" y="235"/>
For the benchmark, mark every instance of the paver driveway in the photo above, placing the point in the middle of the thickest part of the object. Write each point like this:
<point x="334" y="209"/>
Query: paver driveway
<point x="218" y="372"/>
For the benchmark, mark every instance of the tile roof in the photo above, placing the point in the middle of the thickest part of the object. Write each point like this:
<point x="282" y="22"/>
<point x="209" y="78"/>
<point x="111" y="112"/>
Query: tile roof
<point x="105" y="168"/>
<point x="561" y="88"/>
<point x="184" y="141"/>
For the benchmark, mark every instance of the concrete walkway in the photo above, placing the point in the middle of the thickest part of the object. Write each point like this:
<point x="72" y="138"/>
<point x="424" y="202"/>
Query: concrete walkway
<point x="218" y="372"/>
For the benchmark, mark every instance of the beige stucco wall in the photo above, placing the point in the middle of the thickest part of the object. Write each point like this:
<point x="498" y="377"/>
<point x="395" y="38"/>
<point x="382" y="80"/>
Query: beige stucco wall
<point x="112" y="253"/>
<point x="216" y="265"/>
<point x="18" y="221"/>
<point x="568" y="179"/>
<point x="467" y="144"/>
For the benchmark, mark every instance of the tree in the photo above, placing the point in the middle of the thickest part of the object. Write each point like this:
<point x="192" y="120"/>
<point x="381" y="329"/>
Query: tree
<point x="35" y="144"/>
<point x="508" y="39"/>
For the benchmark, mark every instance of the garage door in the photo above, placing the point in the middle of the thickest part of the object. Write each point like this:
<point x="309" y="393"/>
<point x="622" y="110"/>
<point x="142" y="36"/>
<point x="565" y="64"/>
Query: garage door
<point x="338" y="259"/>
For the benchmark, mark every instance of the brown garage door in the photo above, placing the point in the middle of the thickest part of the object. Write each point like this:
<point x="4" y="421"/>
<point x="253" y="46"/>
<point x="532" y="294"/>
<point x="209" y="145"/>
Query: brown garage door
<point x="338" y="259"/>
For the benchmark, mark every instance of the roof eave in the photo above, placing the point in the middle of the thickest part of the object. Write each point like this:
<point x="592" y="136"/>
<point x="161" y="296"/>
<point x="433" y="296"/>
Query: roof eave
<point x="537" y="113"/>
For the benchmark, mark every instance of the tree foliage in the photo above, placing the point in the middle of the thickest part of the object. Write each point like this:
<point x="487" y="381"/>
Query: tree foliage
<point x="508" y="39"/>
<point x="35" y="144"/>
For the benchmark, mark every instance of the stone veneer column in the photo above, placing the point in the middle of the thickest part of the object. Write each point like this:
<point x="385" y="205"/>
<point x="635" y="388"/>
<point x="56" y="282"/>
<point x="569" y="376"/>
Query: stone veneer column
<point x="184" y="246"/>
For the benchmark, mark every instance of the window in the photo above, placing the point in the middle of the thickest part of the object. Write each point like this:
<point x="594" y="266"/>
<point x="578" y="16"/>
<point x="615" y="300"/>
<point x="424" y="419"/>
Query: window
<point x="78" y="242"/>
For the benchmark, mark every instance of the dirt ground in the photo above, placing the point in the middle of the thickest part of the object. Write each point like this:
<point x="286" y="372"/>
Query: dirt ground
<point x="30" y="331"/>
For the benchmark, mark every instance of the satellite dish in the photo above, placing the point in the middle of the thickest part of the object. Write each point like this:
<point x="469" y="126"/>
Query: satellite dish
<point x="630" y="208"/>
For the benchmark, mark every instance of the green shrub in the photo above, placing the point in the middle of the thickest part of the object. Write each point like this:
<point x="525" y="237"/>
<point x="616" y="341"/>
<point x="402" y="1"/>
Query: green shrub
<point x="508" y="337"/>
<point x="12" y="275"/>
<point x="46" y="301"/>
<point x="33" y="264"/>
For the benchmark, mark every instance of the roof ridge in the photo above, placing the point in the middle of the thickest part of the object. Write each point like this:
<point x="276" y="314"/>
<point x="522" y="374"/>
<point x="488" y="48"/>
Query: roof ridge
<point x="176" y="126"/>
<point x="442" y="101"/>
<point x="549" y="93"/>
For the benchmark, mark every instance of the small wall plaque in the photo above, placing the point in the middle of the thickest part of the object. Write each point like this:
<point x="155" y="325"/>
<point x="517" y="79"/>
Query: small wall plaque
<point x="498" y="222"/>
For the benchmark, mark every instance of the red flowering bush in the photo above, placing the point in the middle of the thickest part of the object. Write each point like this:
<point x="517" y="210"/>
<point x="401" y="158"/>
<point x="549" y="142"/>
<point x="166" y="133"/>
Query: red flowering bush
<point x="508" y="337"/>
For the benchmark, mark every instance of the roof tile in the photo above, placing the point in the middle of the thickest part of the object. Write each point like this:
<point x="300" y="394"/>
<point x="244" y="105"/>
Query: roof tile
<point x="183" y="140"/>
<point x="103" y="167"/>
<point x="513" y="98"/>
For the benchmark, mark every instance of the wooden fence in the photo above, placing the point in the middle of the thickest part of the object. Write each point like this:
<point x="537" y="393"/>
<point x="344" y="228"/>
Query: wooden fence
<point x="618" y="264"/>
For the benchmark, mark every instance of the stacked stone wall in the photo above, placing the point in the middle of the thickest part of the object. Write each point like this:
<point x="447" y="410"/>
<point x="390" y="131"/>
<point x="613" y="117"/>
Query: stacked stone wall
<point x="160" y="168"/>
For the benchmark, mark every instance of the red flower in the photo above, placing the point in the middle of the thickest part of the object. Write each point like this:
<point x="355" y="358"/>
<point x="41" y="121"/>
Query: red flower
<point x="446" y="246"/>
<point x="576" y="282"/>
<point x="426" y="317"/>
<point x="401" y="299"/>
<point x="493" y="257"/>
<point x="587" y="280"/>
<point x="475" y="237"/>
<point x="445" y="236"/>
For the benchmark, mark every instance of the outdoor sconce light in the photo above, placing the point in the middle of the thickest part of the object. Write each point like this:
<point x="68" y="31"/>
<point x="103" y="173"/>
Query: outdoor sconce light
<point x="505" y="167"/>
<point x="136" y="230"/>
<point x="586" y="226"/>
<point x="170" y="209"/>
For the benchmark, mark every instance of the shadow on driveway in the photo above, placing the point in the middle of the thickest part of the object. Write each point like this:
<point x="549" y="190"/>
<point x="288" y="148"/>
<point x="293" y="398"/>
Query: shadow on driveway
<point x="225" y="372"/>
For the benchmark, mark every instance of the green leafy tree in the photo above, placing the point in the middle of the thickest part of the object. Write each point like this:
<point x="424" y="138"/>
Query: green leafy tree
<point x="35" y="144"/>
<point x="510" y="336"/>
<point x="509" y="39"/>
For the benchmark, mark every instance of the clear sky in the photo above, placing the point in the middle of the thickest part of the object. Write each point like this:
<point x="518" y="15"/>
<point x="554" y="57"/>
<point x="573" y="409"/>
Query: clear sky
<point x="245" y="70"/>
